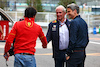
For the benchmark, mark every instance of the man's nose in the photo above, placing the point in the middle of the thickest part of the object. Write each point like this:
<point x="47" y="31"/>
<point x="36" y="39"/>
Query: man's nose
<point x="67" y="13"/>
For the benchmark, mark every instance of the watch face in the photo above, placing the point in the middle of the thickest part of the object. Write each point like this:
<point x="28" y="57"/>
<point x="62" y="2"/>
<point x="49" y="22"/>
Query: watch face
<point x="66" y="55"/>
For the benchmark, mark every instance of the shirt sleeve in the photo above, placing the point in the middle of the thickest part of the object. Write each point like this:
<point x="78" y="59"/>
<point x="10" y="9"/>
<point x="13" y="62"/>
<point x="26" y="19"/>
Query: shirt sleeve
<point x="42" y="38"/>
<point x="10" y="38"/>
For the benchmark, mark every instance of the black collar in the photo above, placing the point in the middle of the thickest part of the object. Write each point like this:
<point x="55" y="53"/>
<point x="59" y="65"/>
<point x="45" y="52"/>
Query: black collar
<point x="77" y="16"/>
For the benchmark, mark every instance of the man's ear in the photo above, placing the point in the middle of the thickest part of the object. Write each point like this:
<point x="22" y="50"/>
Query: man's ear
<point x="75" y="11"/>
<point x="34" y="16"/>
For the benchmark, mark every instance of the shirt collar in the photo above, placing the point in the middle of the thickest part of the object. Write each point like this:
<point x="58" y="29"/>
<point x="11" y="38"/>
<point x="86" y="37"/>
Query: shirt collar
<point x="29" y="19"/>
<point x="63" y="21"/>
<point x="77" y="16"/>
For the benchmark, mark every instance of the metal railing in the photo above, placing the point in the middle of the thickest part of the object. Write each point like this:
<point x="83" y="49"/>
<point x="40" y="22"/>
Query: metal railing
<point x="44" y="18"/>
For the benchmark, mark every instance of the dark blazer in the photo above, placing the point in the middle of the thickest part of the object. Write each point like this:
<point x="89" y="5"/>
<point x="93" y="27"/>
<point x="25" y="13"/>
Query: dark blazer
<point x="53" y="35"/>
<point x="78" y="35"/>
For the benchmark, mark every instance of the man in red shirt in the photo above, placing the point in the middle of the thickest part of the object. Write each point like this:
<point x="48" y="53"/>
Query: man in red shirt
<point x="25" y="34"/>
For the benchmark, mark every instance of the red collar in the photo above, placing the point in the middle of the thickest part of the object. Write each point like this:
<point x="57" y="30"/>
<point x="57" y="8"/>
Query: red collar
<point x="29" y="19"/>
<point x="29" y="22"/>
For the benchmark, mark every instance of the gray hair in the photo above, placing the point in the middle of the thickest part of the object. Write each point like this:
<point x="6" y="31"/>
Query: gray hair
<point x="60" y="6"/>
<point x="73" y="7"/>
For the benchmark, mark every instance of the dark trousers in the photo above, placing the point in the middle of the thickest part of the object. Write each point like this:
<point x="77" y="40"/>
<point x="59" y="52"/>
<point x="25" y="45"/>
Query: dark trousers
<point x="76" y="59"/>
<point x="60" y="61"/>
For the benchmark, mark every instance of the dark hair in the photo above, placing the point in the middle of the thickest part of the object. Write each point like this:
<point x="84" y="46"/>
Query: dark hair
<point x="73" y="7"/>
<point x="30" y="12"/>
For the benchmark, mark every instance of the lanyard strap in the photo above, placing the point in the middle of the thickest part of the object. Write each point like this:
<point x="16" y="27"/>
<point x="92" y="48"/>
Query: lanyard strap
<point x="6" y="64"/>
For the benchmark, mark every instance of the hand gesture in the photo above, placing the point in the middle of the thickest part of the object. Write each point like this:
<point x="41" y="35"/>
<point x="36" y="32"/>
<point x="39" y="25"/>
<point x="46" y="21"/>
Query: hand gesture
<point x="44" y="46"/>
<point x="6" y="55"/>
<point x="67" y="57"/>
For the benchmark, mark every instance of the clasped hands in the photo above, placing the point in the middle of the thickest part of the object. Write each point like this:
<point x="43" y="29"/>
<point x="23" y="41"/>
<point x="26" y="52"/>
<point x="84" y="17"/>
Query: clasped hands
<point x="44" y="46"/>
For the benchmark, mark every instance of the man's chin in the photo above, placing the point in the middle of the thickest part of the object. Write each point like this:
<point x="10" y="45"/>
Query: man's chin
<point x="58" y="19"/>
<point x="69" y="17"/>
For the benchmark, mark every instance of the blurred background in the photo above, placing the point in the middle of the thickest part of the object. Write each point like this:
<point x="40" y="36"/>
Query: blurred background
<point x="13" y="10"/>
<point x="89" y="11"/>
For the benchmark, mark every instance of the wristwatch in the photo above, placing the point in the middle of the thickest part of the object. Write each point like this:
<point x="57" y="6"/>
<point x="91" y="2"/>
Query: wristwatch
<point x="66" y="55"/>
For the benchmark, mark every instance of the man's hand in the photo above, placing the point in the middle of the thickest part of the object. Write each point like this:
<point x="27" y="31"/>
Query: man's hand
<point x="44" y="46"/>
<point x="6" y="55"/>
<point x="67" y="57"/>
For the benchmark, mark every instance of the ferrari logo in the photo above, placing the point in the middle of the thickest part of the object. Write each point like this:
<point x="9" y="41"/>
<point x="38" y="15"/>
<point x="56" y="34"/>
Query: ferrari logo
<point x="29" y="24"/>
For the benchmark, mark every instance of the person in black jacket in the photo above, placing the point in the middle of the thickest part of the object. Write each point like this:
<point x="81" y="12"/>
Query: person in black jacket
<point x="58" y="33"/>
<point x="78" y="37"/>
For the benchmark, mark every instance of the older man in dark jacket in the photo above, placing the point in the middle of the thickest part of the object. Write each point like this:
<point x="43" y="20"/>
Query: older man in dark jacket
<point x="58" y="33"/>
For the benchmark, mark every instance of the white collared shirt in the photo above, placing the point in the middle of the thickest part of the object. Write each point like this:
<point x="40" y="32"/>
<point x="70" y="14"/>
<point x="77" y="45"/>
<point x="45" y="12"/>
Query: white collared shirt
<point x="63" y="36"/>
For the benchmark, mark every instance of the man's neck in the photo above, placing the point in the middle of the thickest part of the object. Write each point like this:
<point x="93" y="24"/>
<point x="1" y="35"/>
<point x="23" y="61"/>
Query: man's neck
<point x="62" y="20"/>
<point x="75" y="16"/>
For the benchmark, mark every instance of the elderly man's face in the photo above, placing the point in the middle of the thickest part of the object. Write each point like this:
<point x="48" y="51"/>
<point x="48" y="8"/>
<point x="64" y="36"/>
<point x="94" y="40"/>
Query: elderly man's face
<point x="60" y="14"/>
